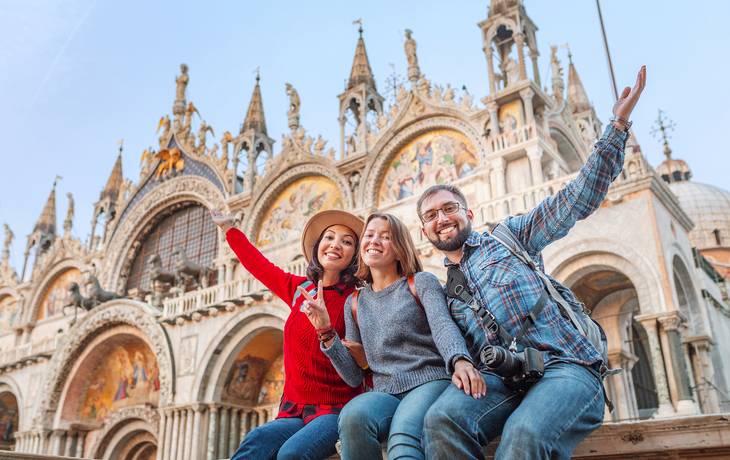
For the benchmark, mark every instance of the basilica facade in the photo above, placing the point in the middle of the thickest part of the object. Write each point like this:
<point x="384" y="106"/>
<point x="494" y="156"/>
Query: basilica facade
<point x="152" y="341"/>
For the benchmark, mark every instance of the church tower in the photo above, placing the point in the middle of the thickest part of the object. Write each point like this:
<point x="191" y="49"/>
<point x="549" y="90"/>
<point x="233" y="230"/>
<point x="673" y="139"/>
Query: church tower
<point x="583" y="112"/>
<point x="517" y="126"/>
<point x="360" y="97"/>
<point x="44" y="232"/>
<point x="253" y="137"/>
<point x="107" y="200"/>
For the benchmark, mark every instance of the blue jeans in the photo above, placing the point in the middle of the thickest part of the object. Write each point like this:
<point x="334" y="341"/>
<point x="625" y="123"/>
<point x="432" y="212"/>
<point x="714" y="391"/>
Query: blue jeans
<point x="372" y="418"/>
<point x="290" y="438"/>
<point x="548" y="422"/>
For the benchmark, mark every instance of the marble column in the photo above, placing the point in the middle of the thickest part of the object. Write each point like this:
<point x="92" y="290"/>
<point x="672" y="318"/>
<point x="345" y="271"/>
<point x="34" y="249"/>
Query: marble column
<point x="181" y="433"/>
<point x="161" y="435"/>
<point x="649" y="322"/>
<point x="212" y="430"/>
<point x="685" y="403"/>
<point x="175" y="434"/>
<point x="533" y="55"/>
<point x="235" y="428"/>
<point x="342" y="121"/>
<point x="493" y="85"/>
<point x="57" y="437"/>
<point x="223" y="433"/>
<point x="81" y="444"/>
<point x="527" y="94"/>
<point x="69" y="443"/>
<point x="168" y="434"/>
<point x="244" y="428"/>
<point x="534" y="154"/>
<point x="188" y="434"/>
<point x="498" y="165"/>
<point x="195" y="445"/>
<point x="520" y="41"/>
<point x="493" y="108"/>
<point x="704" y="372"/>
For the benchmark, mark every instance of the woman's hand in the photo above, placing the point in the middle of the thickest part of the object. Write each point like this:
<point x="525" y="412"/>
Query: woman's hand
<point x="225" y="223"/>
<point x="315" y="309"/>
<point x="357" y="352"/>
<point x="469" y="379"/>
<point x="630" y="96"/>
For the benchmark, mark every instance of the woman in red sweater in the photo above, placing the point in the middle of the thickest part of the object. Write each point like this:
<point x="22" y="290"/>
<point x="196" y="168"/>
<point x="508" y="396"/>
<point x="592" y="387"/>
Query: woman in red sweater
<point x="314" y="393"/>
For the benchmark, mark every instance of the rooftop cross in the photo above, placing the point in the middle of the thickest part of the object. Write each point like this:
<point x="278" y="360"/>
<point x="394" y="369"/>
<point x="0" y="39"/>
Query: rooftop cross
<point x="662" y="125"/>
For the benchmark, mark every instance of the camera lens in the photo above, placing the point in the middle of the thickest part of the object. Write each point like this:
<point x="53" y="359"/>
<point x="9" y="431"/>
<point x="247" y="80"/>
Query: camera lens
<point x="501" y="361"/>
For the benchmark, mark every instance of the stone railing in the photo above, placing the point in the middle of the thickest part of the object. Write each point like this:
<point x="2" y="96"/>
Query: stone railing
<point x="202" y="299"/>
<point x="497" y="209"/>
<point x="41" y="348"/>
<point x="514" y="138"/>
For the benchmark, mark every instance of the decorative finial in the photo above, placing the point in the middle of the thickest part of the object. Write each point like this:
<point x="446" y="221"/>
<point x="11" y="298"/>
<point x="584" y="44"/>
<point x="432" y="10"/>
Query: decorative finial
<point x="359" y="21"/>
<point x="570" y="56"/>
<point x="662" y="126"/>
<point x="56" y="180"/>
<point x="121" y="145"/>
<point x="258" y="77"/>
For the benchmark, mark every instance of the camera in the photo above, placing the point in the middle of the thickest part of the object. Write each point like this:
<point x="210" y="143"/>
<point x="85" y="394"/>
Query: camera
<point x="519" y="371"/>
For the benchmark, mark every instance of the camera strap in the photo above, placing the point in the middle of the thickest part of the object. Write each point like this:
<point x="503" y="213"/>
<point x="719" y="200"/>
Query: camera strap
<point x="456" y="288"/>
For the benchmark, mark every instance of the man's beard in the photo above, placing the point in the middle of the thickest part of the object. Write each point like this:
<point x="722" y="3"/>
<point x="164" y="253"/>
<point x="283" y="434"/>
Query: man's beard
<point x="452" y="244"/>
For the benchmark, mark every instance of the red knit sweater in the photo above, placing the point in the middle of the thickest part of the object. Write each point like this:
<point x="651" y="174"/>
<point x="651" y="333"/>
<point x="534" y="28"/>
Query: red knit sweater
<point x="310" y="376"/>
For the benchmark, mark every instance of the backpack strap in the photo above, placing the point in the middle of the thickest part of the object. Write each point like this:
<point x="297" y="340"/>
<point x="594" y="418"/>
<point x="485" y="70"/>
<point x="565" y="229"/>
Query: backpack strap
<point x="412" y="287"/>
<point x="353" y="304"/>
<point x="504" y="235"/>
<point x="308" y="286"/>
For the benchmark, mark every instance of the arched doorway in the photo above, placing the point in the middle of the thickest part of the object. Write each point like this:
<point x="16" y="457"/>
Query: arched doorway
<point x="9" y="418"/>
<point x="613" y="301"/>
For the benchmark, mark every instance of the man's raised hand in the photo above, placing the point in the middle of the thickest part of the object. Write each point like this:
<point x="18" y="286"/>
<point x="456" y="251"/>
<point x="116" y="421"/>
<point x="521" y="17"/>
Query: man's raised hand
<point x="630" y="96"/>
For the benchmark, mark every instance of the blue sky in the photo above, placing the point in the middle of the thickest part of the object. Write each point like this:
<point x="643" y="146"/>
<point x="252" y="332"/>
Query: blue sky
<point x="79" y="75"/>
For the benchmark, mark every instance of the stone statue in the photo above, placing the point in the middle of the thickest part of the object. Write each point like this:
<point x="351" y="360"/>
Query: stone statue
<point x="449" y="96"/>
<point x="8" y="237"/>
<point x="97" y="295"/>
<point x="512" y="68"/>
<point x="70" y="213"/>
<point x="182" y="82"/>
<point x="186" y="269"/>
<point x="351" y="142"/>
<point x="294" y="101"/>
<point x="319" y="145"/>
<point x="554" y="63"/>
<point x="307" y="145"/>
<point x="466" y="101"/>
<point x="202" y="137"/>
<point x="222" y="163"/>
<point x="411" y="49"/>
<point x="164" y="121"/>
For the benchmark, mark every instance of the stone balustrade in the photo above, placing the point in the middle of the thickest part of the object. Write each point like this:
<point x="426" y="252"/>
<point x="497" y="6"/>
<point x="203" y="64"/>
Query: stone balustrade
<point x="201" y="299"/>
<point x="29" y="351"/>
<point x="517" y="137"/>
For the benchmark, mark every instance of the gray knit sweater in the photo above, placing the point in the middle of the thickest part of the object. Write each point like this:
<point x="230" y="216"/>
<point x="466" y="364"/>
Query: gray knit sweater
<point x="404" y="347"/>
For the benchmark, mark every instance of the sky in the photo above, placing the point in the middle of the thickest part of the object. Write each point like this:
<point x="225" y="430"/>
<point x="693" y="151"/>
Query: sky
<point x="78" y="76"/>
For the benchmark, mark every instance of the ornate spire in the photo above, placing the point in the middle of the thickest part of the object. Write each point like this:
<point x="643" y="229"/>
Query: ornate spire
<point x="115" y="179"/>
<point x="576" y="93"/>
<point x="361" y="72"/>
<point x="255" y="116"/>
<point x="47" y="221"/>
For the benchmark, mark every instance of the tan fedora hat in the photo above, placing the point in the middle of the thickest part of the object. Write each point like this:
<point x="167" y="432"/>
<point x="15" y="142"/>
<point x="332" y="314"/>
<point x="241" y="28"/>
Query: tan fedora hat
<point x="321" y="221"/>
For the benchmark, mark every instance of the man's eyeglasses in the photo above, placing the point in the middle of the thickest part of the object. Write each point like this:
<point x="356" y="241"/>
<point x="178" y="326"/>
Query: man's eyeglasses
<point x="447" y="210"/>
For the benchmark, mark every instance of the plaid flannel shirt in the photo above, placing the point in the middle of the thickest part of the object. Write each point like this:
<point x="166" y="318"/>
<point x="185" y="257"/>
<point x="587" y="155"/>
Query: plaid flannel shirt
<point x="508" y="288"/>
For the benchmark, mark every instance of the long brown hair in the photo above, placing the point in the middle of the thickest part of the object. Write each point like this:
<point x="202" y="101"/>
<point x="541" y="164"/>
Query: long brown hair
<point x="315" y="270"/>
<point x="402" y="243"/>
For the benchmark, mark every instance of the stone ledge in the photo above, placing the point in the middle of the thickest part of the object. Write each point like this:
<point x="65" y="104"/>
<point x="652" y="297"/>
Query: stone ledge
<point x="697" y="437"/>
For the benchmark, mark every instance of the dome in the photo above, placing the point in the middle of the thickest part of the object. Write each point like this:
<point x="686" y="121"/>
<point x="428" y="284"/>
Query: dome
<point x="709" y="208"/>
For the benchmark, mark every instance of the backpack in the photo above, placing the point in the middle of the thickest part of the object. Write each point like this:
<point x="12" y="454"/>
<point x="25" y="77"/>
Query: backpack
<point x="578" y="316"/>
<point x="411" y="287"/>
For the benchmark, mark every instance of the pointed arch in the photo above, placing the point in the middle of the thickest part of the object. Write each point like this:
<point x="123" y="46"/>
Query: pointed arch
<point x="45" y="283"/>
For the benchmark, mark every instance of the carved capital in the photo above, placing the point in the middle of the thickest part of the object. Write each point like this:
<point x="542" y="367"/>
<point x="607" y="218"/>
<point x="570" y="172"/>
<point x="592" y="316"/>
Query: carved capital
<point x="499" y="164"/>
<point x="527" y="93"/>
<point x="493" y="107"/>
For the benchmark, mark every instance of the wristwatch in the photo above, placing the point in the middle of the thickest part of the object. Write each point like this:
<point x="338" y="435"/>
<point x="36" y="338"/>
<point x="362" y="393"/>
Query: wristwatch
<point x="621" y="120"/>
